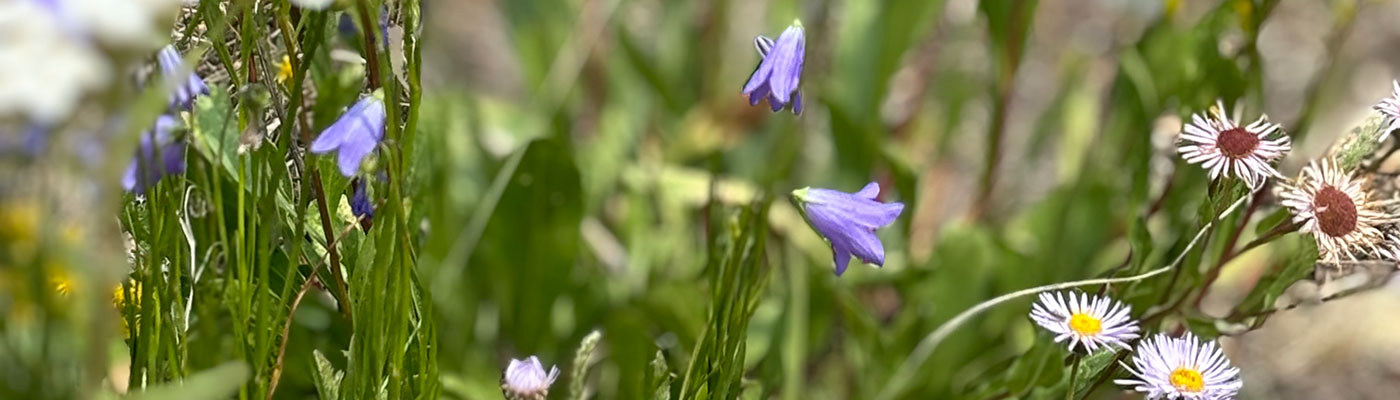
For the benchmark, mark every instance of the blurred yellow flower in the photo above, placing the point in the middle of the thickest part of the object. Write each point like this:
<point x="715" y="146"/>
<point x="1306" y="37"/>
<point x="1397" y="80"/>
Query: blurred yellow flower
<point x="284" y="69"/>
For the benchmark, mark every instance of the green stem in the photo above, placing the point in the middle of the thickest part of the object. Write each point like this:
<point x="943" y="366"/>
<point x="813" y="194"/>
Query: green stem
<point x="1073" y="377"/>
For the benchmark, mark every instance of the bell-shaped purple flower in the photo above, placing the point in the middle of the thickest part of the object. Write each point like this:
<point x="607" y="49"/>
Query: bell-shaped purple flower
<point x="155" y="159"/>
<point x="185" y="84"/>
<point x="779" y="75"/>
<point x="527" y="380"/>
<point x="848" y="221"/>
<point x="360" y="203"/>
<point x="354" y="135"/>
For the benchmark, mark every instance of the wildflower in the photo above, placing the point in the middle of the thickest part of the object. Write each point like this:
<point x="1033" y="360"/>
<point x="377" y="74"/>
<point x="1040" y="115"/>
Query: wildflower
<point x="1336" y="210"/>
<point x="779" y="75"/>
<point x="171" y="161"/>
<point x="526" y="380"/>
<point x="284" y="69"/>
<point x="312" y="4"/>
<point x="44" y="71"/>
<point x="1084" y="320"/>
<point x="185" y="84"/>
<point x="1390" y="107"/>
<point x="1182" y="368"/>
<point x="848" y="221"/>
<point x="1224" y="147"/>
<point x="360" y="203"/>
<point x="354" y="135"/>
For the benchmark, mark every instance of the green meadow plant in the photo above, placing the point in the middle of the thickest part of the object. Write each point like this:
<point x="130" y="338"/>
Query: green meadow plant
<point x="289" y="199"/>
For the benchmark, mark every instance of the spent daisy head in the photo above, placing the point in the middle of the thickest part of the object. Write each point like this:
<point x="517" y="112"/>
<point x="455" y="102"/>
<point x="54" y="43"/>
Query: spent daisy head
<point x="527" y="380"/>
<point x="1337" y="211"/>
<point x="1165" y="367"/>
<point x="1088" y="321"/>
<point x="1225" y="148"/>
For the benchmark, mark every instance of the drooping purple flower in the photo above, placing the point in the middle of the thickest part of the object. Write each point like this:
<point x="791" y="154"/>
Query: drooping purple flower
<point x="848" y="221"/>
<point x="527" y="380"/>
<point x="184" y="84"/>
<point x="354" y="135"/>
<point x="779" y="76"/>
<point x="360" y="203"/>
<point x="155" y="159"/>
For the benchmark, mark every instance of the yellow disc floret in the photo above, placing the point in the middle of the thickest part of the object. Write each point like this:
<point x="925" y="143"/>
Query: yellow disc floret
<point x="1187" y="380"/>
<point x="1085" y="324"/>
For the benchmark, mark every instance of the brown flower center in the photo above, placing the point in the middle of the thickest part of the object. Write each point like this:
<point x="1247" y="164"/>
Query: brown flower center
<point x="1237" y="142"/>
<point x="1336" y="213"/>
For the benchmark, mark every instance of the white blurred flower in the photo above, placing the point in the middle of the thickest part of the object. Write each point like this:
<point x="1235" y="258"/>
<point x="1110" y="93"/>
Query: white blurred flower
<point x="313" y="4"/>
<point x="136" y="25"/>
<point x="54" y="52"/>
<point x="44" y="69"/>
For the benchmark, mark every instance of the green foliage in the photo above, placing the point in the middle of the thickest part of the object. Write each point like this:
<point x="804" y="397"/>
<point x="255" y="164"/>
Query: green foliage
<point x="590" y="177"/>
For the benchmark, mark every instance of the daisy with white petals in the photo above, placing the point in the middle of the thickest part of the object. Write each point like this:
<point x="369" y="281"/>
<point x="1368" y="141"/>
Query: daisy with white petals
<point x="1225" y="148"/>
<point x="1390" y="107"/>
<point x="1337" y="211"/>
<point x="526" y="380"/>
<point x="1182" y="368"/>
<point x="1091" y="321"/>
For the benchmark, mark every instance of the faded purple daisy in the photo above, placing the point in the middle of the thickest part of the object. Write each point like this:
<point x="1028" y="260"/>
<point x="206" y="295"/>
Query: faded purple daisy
<point x="158" y="158"/>
<point x="848" y="221"/>
<point x="527" y="380"/>
<point x="1185" y="368"/>
<point x="779" y="76"/>
<point x="354" y="135"/>
<point x="1225" y="148"/>
<point x="185" y="84"/>
<point x="1390" y="107"/>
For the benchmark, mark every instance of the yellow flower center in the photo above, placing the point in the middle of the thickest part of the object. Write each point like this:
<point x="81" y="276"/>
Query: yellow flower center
<point x="1188" y="380"/>
<point x="1085" y="324"/>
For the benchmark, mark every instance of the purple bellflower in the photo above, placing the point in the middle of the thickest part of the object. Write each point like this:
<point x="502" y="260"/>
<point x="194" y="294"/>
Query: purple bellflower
<point x="185" y="84"/>
<point x="360" y="203"/>
<point x="848" y="221"/>
<point x="155" y="159"/>
<point x="527" y="380"/>
<point x="354" y="135"/>
<point x="779" y="75"/>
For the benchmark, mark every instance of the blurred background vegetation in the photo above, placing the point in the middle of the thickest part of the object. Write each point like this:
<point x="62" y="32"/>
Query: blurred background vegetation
<point x="556" y="168"/>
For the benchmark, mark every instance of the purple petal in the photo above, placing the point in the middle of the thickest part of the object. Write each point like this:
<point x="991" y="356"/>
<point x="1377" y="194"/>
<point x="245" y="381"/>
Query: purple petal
<point x="842" y="258"/>
<point x="787" y="65"/>
<point x="758" y="94"/>
<point x="797" y="103"/>
<point x="352" y="153"/>
<point x="129" y="177"/>
<point x="870" y="191"/>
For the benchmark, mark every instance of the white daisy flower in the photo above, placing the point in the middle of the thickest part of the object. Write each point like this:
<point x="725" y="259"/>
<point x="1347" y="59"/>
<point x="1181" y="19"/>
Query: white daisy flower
<point x="1225" y="148"/>
<point x="1090" y="321"/>
<point x="526" y="380"/>
<point x="1182" y="368"/>
<point x="1390" y="107"/>
<point x="1337" y="211"/>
